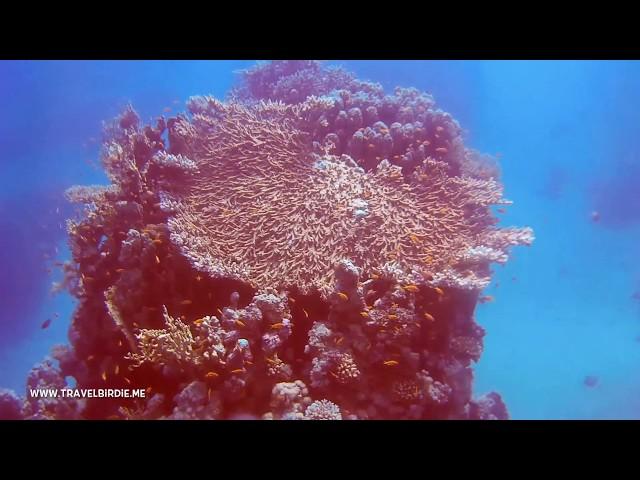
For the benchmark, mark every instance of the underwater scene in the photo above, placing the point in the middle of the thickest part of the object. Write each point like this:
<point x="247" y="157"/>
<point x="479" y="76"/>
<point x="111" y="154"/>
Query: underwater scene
<point x="319" y="240"/>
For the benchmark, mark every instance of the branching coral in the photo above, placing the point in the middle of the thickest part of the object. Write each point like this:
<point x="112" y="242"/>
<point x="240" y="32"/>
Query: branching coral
<point x="312" y="248"/>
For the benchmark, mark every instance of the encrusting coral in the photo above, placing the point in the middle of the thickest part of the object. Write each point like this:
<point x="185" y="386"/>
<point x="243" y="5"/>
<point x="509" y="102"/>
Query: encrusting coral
<point x="312" y="248"/>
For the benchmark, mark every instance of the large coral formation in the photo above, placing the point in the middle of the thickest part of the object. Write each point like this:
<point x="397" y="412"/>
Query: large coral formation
<point x="312" y="248"/>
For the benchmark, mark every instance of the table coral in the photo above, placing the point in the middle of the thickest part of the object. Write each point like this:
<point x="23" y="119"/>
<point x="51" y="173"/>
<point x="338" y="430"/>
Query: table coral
<point x="311" y="248"/>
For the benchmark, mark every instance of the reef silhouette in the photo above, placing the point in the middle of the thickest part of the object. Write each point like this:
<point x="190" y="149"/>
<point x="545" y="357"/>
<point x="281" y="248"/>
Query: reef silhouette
<point x="310" y="248"/>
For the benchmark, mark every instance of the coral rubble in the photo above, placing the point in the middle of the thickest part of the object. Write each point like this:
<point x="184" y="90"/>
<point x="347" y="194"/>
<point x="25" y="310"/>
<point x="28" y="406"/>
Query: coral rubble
<point x="311" y="248"/>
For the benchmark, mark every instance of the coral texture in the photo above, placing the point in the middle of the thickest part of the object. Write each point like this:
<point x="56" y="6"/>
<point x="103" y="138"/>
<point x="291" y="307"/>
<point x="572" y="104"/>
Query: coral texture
<point x="312" y="248"/>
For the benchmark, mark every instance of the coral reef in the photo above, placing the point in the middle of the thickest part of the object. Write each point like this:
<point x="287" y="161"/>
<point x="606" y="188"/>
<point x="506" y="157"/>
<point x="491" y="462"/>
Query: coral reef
<point x="312" y="248"/>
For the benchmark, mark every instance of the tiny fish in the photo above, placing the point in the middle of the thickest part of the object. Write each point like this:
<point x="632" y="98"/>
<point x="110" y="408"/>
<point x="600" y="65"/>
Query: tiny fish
<point x="277" y="326"/>
<point x="157" y="241"/>
<point x="411" y="288"/>
<point x="219" y="311"/>
<point x="442" y="150"/>
<point x="439" y="291"/>
<point x="502" y="210"/>
<point x="238" y="370"/>
<point x="116" y="371"/>
<point x="591" y="381"/>
<point x="292" y="300"/>
<point x="127" y="380"/>
<point x="212" y="375"/>
<point x="439" y="128"/>
<point x="414" y="238"/>
<point x="486" y="299"/>
<point x="391" y="363"/>
<point x="186" y="302"/>
<point x="240" y="323"/>
<point x="339" y="340"/>
<point x="429" y="317"/>
<point x="198" y="321"/>
<point x="104" y="376"/>
<point x="392" y="317"/>
<point x="364" y="314"/>
<point x="375" y="276"/>
<point x="46" y="323"/>
<point x="306" y="314"/>
<point x="119" y="270"/>
<point x="157" y="259"/>
<point x="343" y="296"/>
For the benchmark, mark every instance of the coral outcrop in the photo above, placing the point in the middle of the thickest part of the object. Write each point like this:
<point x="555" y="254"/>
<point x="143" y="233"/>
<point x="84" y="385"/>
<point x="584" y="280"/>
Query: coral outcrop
<point x="311" y="248"/>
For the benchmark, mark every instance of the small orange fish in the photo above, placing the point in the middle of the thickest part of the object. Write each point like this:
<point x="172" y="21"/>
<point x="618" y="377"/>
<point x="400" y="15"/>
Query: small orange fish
<point x="411" y="288"/>
<point x="127" y="380"/>
<point x="392" y="317"/>
<point x="198" y="278"/>
<point x="104" y="376"/>
<point x="198" y="321"/>
<point x="375" y="276"/>
<point x="486" y="299"/>
<point x="186" y="302"/>
<point x="90" y="358"/>
<point x="116" y="370"/>
<point x="219" y="311"/>
<point x="238" y="370"/>
<point x="157" y="241"/>
<point x="339" y="340"/>
<point x="391" y="363"/>
<point x="119" y="270"/>
<point x="240" y="323"/>
<point x="277" y="326"/>
<point x="292" y="300"/>
<point x="212" y="375"/>
<point x="364" y="314"/>
<point x="157" y="259"/>
<point x="429" y="317"/>
<point x="343" y="296"/>
<point x="439" y="291"/>
<point x="209" y="394"/>
<point x="442" y="150"/>
<point x="271" y="361"/>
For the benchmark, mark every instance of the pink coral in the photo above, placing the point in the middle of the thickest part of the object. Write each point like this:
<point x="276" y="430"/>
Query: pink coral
<point x="312" y="237"/>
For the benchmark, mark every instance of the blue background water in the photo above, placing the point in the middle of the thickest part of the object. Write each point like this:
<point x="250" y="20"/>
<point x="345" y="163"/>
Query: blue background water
<point x="567" y="136"/>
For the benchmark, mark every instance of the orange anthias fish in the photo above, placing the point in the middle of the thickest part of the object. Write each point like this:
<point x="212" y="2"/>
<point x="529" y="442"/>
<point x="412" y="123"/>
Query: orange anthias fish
<point x="411" y="288"/>
<point x="391" y="363"/>
<point x="486" y="299"/>
<point x="429" y="317"/>
<point x="343" y="296"/>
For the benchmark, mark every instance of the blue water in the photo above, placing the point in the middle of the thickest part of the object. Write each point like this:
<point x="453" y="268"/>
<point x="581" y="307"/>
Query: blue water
<point x="566" y="133"/>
